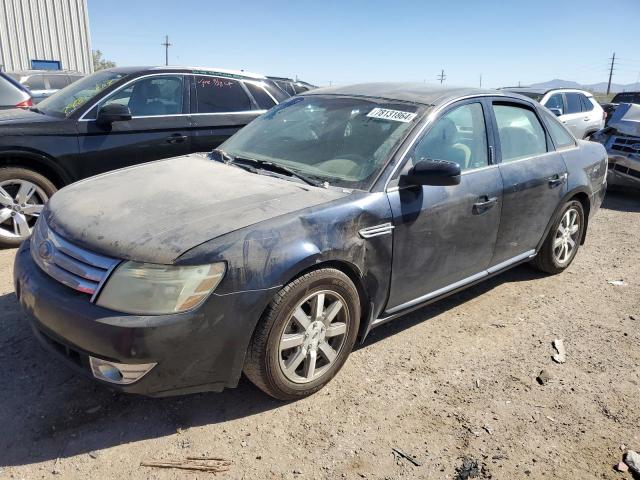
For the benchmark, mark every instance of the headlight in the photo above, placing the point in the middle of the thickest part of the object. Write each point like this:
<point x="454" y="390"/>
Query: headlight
<point x="150" y="289"/>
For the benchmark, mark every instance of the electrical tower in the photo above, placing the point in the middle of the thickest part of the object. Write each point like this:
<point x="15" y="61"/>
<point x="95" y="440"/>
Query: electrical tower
<point x="613" y="61"/>
<point x="166" y="45"/>
<point x="442" y="76"/>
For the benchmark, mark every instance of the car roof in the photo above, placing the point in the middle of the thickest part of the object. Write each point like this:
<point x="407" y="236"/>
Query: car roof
<point x="420" y="93"/>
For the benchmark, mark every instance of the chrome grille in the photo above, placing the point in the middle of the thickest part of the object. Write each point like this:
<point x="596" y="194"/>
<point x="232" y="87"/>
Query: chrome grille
<point x="69" y="264"/>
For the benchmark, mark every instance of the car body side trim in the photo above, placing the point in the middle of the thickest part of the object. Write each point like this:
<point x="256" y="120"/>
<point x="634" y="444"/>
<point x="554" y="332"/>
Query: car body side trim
<point x="392" y="312"/>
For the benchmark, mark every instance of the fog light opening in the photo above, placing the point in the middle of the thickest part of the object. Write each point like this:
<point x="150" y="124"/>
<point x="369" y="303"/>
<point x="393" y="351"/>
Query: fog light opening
<point x="119" y="373"/>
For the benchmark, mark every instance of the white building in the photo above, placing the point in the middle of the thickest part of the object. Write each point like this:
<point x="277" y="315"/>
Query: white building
<point x="45" y="34"/>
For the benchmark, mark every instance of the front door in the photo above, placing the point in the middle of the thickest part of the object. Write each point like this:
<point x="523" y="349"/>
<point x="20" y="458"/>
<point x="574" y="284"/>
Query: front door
<point x="534" y="177"/>
<point x="221" y="106"/>
<point x="446" y="235"/>
<point x="159" y="127"/>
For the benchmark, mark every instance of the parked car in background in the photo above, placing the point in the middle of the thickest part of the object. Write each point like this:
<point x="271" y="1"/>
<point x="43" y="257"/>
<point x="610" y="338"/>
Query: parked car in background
<point x="623" y="97"/>
<point x="576" y="109"/>
<point x="621" y="138"/>
<point x="115" y="118"/>
<point x="335" y="212"/>
<point x="290" y="86"/>
<point x="43" y="83"/>
<point x="12" y="94"/>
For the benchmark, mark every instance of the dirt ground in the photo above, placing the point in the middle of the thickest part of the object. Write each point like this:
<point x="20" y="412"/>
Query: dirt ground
<point x="456" y="379"/>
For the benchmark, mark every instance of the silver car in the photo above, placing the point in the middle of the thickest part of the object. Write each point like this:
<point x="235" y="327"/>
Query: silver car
<point x="43" y="83"/>
<point x="576" y="109"/>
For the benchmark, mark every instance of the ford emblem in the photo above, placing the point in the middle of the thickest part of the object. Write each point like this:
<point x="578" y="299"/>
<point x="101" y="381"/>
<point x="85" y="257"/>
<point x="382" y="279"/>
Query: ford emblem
<point x="45" y="250"/>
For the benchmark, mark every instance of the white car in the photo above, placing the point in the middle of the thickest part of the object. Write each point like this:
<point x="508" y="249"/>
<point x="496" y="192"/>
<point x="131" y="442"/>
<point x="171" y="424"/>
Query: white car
<point x="576" y="109"/>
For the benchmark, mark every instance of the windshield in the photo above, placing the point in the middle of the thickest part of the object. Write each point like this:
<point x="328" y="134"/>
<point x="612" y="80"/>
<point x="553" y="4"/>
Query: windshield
<point x="64" y="102"/>
<point x="341" y="140"/>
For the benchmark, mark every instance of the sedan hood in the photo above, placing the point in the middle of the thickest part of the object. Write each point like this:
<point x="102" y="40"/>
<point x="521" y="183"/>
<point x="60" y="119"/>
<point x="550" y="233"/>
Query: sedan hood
<point x="626" y="119"/>
<point x="157" y="211"/>
<point x="20" y="116"/>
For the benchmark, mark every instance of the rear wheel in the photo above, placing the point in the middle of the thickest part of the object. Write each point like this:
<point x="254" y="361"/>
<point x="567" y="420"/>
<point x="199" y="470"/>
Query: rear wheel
<point x="305" y="336"/>
<point x="563" y="240"/>
<point x="23" y="194"/>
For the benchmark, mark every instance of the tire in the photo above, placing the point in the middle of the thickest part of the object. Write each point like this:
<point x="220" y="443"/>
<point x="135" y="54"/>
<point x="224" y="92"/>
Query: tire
<point x="17" y="218"/>
<point x="280" y="339"/>
<point x="550" y="259"/>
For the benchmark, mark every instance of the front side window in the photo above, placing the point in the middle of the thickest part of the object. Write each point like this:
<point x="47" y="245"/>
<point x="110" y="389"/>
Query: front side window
<point x="521" y="134"/>
<point x="459" y="136"/>
<point x="555" y="101"/>
<point x="219" y="95"/>
<point x="560" y="136"/>
<point x="573" y="103"/>
<point x="342" y="140"/>
<point x="151" y="96"/>
<point x="66" y="101"/>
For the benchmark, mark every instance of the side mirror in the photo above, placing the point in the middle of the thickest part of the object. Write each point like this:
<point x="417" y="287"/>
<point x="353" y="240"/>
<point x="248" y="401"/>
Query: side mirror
<point x="556" y="111"/>
<point x="433" y="172"/>
<point x="113" y="112"/>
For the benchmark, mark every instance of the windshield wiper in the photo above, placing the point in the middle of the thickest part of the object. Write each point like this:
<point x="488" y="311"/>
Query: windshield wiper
<point x="277" y="168"/>
<point x="36" y="109"/>
<point x="224" y="156"/>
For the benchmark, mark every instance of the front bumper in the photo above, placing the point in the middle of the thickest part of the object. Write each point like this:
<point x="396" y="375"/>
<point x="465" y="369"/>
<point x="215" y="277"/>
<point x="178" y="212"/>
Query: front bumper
<point x="200" y="350"/>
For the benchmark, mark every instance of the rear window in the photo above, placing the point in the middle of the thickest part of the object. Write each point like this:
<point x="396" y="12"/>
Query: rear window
<point x="218" y="95"/>
<point x="10" y="92"/>
<point x="627" y="97"/>
<point x="56" y="82"/>
<point x="265" y="102"/>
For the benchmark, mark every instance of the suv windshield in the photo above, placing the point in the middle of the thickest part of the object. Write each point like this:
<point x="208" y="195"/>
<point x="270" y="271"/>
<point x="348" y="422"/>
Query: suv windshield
<point x="344" y="141"/>
<point x="66" y="101"/>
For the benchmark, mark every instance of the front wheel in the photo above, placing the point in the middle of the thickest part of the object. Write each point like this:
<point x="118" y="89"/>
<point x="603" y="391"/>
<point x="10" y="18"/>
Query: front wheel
<point x="23" y="194"/>
<point x="305" y="336"/>
<point x="563" y="240"/>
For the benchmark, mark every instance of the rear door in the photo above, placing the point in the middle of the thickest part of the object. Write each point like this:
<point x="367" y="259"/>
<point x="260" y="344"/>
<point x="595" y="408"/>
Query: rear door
<point x="534" y="177"/>
<point x="221" y="106"/>
<point x="159" y="127"/>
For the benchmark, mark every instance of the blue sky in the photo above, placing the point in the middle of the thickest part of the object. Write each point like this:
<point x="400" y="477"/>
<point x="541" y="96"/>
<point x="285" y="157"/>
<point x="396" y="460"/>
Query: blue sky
<point x="394" y="40"/>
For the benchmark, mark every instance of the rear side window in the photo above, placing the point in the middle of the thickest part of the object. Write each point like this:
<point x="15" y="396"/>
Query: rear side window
<point x="561" y="138"/>
<point x="555" y="101"/>
<point x="521" y="134"/>
<point x="218" y="95"/>
<point x="587" y="106"/>
<point x="286" y="86"/>
<point x="265" y="102"/>
<point x="35" y="82"/>
<point x="56" y="82"/>
<point x="574" y="105"/>
<point x="459" y="136"/>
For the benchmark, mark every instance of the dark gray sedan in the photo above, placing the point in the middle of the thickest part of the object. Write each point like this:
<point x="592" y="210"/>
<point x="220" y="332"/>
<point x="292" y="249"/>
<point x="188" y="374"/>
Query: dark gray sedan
<point x="331" y="214"/>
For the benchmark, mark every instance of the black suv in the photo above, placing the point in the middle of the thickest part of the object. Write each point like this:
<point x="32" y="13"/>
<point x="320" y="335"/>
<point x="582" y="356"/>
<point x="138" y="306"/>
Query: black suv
<point x="115" y="118"/>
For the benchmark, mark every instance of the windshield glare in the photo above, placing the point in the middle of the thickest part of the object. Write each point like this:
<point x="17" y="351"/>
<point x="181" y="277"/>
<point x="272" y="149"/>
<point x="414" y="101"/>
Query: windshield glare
<point x="340" y="140"/>
<point x="64" y="102"/>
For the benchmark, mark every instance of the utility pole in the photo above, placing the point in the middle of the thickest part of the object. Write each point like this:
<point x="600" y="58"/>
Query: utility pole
<point x="166" y="45"/>
<point x="613" y="61"/>
<point x="480" y="80"/>
<point x="442" y="76"/>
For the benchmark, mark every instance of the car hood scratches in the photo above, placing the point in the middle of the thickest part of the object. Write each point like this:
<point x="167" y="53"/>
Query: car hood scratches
<point x="157" y="211"/>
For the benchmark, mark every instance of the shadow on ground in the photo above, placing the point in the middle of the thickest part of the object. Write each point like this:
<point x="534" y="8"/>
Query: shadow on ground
<point x="47" y="411"/>
<point x="622" y="200"/>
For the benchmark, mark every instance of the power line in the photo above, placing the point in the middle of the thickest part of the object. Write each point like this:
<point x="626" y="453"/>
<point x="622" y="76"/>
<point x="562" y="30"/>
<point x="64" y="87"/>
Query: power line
<point x="442" y="76"/>
<point x="166" y="45"/>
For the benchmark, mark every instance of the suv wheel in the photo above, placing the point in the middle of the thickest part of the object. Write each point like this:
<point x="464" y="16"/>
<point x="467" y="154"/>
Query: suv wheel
<point x="23" y="194"/>
<point x="305" y="336"/>
<point x="563" y="240"/>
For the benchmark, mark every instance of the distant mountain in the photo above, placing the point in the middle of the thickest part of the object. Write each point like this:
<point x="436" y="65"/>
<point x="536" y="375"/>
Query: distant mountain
<point x="593" y="87"/>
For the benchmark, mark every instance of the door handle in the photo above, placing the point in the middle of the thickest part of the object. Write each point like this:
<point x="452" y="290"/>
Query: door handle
<point x="586" y="119"/>
<point x="176" y="138"/>
<point x="557" y="179"/>
<point x="484" y="204"/>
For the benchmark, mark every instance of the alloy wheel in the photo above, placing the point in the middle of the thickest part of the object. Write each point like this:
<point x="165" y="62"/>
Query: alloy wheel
<point x="21" y="202"/>
<point x="566" y="238"/>
<point x="313" y="336"/>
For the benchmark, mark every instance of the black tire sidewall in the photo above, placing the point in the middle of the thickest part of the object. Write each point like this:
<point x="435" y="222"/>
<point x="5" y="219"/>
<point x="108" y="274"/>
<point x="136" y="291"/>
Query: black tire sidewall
<point x="341" y="284"/>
